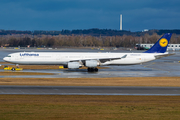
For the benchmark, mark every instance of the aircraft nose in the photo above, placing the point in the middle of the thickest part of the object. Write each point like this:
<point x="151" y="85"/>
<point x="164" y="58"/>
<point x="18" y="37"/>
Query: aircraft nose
<point x="5" y="59"/>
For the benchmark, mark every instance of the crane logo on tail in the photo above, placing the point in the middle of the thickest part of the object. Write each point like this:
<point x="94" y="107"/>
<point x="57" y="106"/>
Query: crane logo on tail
<point x="163" y="42"/>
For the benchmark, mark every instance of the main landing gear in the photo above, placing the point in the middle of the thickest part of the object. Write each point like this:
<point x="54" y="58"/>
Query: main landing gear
<point x="92" y="69"/>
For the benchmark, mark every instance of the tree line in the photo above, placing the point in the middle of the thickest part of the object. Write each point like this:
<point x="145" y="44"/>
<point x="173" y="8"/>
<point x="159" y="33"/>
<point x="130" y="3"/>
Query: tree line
<point x="79" y="40"/>
<point x="91" y="32"/>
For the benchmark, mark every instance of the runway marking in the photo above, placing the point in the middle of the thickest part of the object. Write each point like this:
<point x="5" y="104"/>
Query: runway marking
<point x="149" y="64"/>
<point x="155" y="68"/>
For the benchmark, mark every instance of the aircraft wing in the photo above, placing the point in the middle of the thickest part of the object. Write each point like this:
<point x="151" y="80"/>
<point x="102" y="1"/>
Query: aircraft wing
<point x="101" y="60"/>
<point x="163" y="55"/>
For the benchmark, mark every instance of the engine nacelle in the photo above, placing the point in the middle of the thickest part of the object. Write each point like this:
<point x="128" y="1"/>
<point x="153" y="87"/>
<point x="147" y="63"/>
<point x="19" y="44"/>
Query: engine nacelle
<point x="91" y="63"/>
<point x="73" y="65"/>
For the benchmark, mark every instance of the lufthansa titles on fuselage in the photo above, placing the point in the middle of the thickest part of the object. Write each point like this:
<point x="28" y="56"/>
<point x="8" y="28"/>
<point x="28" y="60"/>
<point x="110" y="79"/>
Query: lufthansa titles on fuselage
<point x="28" y="54"/>
<point x="135" y="54"/>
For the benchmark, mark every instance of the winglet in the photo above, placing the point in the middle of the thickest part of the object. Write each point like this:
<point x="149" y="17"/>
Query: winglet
<point x="161" y="45"/>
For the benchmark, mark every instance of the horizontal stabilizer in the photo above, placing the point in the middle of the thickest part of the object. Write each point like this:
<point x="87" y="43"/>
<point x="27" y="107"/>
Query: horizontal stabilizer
<point x="164" y="55"/>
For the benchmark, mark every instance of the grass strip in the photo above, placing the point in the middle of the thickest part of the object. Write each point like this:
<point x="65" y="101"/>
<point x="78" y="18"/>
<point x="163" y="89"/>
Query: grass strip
<point x="16" y="73"/>
<point x="37" y="107"/>
<point x="119" y="81"/>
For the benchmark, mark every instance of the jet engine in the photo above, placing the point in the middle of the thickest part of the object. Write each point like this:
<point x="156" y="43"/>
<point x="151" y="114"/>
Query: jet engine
<point x="74" y="65"/>
<point x="91" y="63"/>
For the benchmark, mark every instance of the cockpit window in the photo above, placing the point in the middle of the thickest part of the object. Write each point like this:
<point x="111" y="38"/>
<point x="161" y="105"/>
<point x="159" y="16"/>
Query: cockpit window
<point x="8" y="56"/>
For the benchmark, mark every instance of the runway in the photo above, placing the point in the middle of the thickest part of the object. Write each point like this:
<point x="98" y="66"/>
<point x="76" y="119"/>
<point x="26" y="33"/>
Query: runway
<point x="89" y="90"/>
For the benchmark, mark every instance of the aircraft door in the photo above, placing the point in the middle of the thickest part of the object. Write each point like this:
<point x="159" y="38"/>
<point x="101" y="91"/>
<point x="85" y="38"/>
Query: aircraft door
<point x="17" y="57"/>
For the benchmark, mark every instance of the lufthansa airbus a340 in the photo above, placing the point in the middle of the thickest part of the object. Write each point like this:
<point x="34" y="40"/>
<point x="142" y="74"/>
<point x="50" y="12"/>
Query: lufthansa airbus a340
<point x="75" y="60"/>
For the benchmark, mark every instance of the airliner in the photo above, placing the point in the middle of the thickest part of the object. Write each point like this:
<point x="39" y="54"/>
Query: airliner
<point x="76" y="60"/>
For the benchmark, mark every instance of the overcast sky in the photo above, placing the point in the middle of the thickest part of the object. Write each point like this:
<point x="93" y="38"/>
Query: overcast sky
<point x="86" y="14"/>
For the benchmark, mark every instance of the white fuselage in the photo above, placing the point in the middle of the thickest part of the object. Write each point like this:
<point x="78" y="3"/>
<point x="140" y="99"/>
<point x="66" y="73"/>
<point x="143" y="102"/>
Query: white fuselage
<point x="62" y="58"/>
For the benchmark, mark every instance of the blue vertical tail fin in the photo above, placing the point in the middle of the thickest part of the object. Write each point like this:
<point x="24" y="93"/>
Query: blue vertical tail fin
<point x="161" y="45"/>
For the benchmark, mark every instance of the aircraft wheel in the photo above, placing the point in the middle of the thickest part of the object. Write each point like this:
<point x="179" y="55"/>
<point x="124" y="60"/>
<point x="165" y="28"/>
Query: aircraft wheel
<point x="92" y="69"/>
<point x="89" y="69"/>
<point x="13" y="69"/>
<point x="96" y="69"/>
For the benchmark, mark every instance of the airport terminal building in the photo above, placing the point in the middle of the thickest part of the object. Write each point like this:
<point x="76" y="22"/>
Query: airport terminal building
<point x="170" y="46"/>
